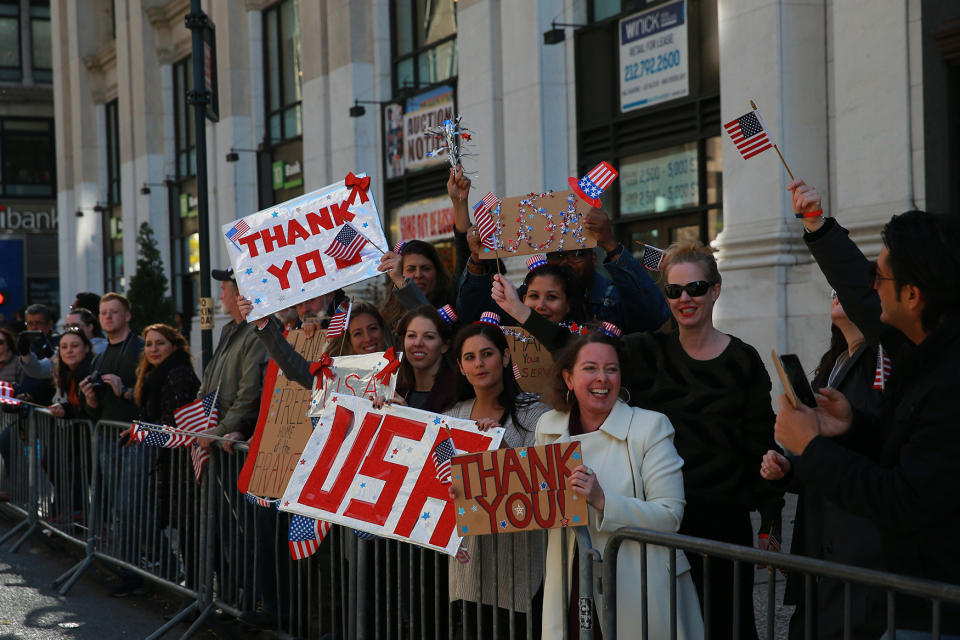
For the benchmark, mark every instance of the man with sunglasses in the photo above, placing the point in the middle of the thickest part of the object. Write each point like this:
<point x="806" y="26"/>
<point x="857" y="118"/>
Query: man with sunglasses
<point x="898" y="468"/>
<point x="630" y="298"/>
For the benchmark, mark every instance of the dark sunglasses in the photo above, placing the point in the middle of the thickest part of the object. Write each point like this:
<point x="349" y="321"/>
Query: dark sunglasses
<point x="875" y="276"/>
<point x="556" y="256"/>
<point x="695" y="289"/>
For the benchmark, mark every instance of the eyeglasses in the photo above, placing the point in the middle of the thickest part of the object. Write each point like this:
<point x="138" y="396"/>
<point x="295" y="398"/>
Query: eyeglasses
<point x="695" y="289"/>
<point x="557" y="256"/>
<point x="875" y="277"/>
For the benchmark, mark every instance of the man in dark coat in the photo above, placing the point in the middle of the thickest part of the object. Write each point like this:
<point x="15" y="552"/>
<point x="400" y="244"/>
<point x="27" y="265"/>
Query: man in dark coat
<point x="905" y="479"/>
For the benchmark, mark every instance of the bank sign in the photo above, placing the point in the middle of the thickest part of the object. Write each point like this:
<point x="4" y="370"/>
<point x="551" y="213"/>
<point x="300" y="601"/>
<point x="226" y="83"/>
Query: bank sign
<point x="654" y="60"/>
<point x="28" y="217"/>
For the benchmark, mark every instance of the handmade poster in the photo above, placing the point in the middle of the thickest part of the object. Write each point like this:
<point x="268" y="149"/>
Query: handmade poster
<point x="284" y="425"/>
<point x="370" y="375"/>
<point x="521" y="489"/>
<point x="307" y="246"/>
<point x="533" y="360"/>
<point x="540" y="223"/>
<point x="375" y="471"/>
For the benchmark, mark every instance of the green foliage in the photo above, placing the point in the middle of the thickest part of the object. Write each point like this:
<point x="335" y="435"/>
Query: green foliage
<point x="149" y="303"/>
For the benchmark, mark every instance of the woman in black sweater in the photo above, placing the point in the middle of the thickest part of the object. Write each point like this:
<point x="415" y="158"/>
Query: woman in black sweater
<point x="716" y="392"/>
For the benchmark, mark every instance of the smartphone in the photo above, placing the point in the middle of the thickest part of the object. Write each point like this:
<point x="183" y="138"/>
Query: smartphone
<point x="794" y="379"/>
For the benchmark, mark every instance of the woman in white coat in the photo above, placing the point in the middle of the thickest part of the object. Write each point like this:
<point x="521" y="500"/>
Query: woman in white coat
<point x="630" y="477"/>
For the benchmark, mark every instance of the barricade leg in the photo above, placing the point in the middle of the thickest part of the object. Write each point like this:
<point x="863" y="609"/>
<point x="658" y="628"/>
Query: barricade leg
<point x="30" y="524"/>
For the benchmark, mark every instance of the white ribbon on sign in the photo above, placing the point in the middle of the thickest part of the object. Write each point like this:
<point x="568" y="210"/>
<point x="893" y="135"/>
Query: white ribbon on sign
<point x="279" y="254"/>
<point x="374" y="470"/>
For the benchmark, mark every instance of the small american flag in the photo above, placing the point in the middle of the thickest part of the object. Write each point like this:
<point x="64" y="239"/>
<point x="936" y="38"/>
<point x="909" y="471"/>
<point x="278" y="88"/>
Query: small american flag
<point x="197" y="416"/>
<point x="154" y="438"/>
<point x="6" y="394"/>
<point x="486" y="227"/>
<point x="257" y="500"/>
<point x="516" y="371"/>
<point x="441" y="459"/>
<point x="348" y="243"/>
<point x="237" y="231"/>
<point x="199" y="457"/>
<point x="339" y="321"/>
<point x="883" y="369"/>
<point x="652" y="257"/>
<point x="398" y="248"/>
<point x="305" y="536"/>
<point x="463" y="556"/>
<point x="749" y="134"/>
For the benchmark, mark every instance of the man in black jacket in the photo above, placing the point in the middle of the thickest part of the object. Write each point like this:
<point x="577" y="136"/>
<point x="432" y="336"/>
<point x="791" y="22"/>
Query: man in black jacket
<point x="903" y="476"/>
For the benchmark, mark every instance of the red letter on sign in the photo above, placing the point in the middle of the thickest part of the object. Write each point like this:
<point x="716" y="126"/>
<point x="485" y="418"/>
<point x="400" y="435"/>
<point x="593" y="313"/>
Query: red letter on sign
<point x="313" y="494"/>
<point x="429" y="487"/>
<point x="340" y="213"/>
<point x="305" y="274"/>
<point x="251" y="242"/>
<point x="281" y="273"/>
<point x="318" y="220"/>
<point x="374" y="466"/>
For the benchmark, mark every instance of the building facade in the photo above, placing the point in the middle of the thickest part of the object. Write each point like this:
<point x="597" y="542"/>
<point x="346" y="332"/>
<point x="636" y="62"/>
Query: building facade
<point x="862" y="96"/>
<point x="28" y="181"/>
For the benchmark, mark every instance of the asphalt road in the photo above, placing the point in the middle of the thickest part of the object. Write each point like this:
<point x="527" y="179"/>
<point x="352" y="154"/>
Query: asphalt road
<point x="31" y="609"/>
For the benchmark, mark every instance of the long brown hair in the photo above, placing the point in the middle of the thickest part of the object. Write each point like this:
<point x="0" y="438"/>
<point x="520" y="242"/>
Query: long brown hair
<point x="144" y="367"/>
<point x="64" y="375"/>
<point x="406" y="378"/>
<point x="562" y="399"/>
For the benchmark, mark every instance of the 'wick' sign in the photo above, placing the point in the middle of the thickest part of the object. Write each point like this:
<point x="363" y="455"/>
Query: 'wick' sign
<point x="510" y="490"/>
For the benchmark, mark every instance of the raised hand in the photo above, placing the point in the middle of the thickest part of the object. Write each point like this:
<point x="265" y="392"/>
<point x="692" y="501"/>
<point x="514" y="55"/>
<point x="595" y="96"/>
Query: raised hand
<point x="245" y="307"/>
<point x="505" y="295"/>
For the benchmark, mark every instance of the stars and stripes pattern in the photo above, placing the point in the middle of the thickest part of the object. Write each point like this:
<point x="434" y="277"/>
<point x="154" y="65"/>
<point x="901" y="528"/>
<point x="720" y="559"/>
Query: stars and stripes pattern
<point x="441" y="459"/>
<point x="486" y="227"/>
<point x="348" y="243"/>
<point x="237" y="231"/>
<point x="398" y="248"/>
<point x="749" y="134"/>
<point x="198" y="457"/>
<point x="339" y="321"/>
<point x="257" y="500"/>
<point x="595" y="183"/>
<point x="883" y="369"/>
<point x="489" y="317"/>
<point x="536" y="260"/>
<point x="611" y="329"/>
<point x="6" y="394"/>
<point x="448" y="314"/>
<point x="154" y="438"/>
<point x="652" y="257"/>
<point x="197" y="416"/>
<point x="463" y="556"/>
<point x="516" y="371"/>
<point x="305" y="536"/>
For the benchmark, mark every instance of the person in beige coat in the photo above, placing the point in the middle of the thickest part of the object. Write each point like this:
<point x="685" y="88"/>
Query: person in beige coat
<point x="630" y="477"/>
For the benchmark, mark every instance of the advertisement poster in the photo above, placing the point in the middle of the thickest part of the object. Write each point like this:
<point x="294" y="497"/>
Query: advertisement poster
<point x="654" y="59"/>
<point x="393" y="134"/>
<point x="427" y="220"/>
<point x="424" y="113"/>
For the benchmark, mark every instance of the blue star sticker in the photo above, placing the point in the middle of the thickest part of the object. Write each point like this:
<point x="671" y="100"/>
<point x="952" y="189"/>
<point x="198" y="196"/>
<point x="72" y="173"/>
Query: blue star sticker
<point x="425" y="516"/>
<point x="365" y="225"/>
<point x="264" y="281"/>
<point x="436" y="420"/>
<point x="464" y="529"/>
<point x="363" y="485"/>
<point x="523" y="454"/>
<point x="275" y="214"/>
<point x="249" y="271"/>
<point x="456" y="477"/>
<point x="302" y="289"/>
<point x="543" y="485"/>
<point x="576" y="456"/>
<point x="256" y="301"/>
<point x="503" y="524"/>
<point x="461" y="511"/>
<point x="576" y="518"/>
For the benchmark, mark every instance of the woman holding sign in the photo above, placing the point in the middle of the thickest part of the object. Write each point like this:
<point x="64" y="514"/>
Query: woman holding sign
<point x="630" y="477"/>
<point x="488" y="393"/>
<point x="426" y="379"/>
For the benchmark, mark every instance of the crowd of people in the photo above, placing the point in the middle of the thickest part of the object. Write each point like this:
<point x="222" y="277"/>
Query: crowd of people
<point x="674" y="416"/>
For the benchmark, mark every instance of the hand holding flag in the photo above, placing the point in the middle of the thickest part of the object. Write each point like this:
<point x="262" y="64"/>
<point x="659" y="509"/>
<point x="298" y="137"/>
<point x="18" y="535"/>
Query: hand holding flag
<point x="751" y="136"/>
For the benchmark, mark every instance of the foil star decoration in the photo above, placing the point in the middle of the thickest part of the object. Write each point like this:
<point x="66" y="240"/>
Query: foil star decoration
<point x="452" y="137"/>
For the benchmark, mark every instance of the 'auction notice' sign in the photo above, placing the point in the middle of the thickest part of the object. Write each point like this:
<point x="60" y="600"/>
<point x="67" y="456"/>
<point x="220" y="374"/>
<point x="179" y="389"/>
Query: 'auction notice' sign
<point x="307" y="246"/>
<point x="654" y="60"/>
<point x="376" y="471"/>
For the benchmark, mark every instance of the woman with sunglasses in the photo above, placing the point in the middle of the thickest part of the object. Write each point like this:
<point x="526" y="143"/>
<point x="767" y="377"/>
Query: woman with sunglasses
<point x="488" y="393"/>
<point x="716" y="392"/>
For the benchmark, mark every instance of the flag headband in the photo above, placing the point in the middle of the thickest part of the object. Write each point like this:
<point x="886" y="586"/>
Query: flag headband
<point x="448" y="314"/>
<point x="611" y="329"/>
<point x="489" y="317"/>
<point x="535" y="261"/>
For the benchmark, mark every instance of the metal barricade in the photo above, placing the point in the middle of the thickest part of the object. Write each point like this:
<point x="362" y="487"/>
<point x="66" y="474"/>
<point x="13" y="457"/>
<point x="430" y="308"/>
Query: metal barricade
<point x="744" y="558"/>
<point x="64" y="477"/>
<point x="18" y="445"/>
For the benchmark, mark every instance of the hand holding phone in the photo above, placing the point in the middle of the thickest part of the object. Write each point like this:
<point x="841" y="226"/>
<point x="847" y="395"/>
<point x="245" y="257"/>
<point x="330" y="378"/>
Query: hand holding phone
<point x="794" y="380"/>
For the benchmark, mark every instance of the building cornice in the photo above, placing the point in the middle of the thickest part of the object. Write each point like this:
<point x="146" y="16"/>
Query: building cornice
<point x="162" y="16"/>
<point x="103" y="59"/>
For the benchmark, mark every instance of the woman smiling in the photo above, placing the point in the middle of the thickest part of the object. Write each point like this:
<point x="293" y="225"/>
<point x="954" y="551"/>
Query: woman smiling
<point x="426" y="380"/>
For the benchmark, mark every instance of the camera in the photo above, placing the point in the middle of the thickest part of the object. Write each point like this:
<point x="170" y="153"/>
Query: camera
<point x="96" y="379"/>
<point x="42" y="345"/>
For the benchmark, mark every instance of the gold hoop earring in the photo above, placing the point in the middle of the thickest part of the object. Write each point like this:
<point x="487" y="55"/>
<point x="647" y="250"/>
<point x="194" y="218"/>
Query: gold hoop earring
<point x="628" y="395"/>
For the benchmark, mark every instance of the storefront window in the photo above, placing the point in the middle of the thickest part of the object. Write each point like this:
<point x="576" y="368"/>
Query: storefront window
<point x="424" y="42"/>
<point x="27" y="158"/>
<point x="283" y="71"/>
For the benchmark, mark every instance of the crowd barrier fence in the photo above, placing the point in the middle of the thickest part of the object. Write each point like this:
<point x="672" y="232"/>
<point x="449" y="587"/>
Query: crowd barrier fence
<point x="140" y="509"/>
